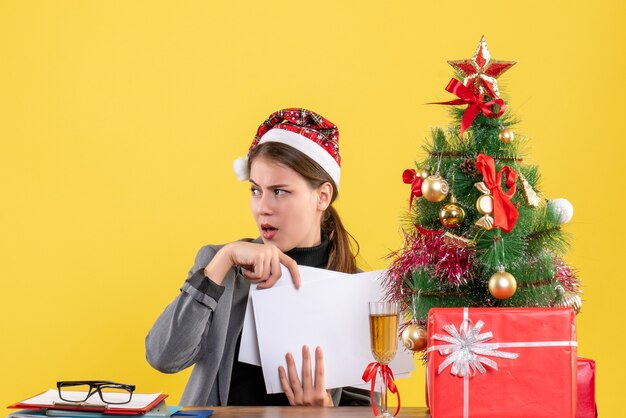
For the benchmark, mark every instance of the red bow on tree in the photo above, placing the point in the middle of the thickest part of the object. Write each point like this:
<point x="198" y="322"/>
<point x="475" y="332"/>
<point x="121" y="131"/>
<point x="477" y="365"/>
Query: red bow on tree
<point x="504" y="212"/>
<point x="410" y="177"/>
<point x="387" y="376"/>
<point x="476" y="103"/>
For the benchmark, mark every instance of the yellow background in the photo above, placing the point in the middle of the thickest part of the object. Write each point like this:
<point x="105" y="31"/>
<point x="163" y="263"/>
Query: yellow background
<point x="119" y="122"/>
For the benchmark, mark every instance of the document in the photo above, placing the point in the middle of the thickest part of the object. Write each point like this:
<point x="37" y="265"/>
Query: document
<point x="249" y="347"/>
<point x="51" y="397"/>
<point x="330" y="311"/>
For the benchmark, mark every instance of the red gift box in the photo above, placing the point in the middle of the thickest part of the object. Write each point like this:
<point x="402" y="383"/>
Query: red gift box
<point x="586" y="403"/>
<point x="502" y="362"/>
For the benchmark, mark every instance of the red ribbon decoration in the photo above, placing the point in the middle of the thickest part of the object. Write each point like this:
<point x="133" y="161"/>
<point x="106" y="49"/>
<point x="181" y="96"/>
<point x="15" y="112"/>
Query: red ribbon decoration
<point x="429" y="232"/>
<point x="409" y="177"/>
<point x="387" y="376"/>
<point x="504" y="212"/>
<point x="476" y="103"/>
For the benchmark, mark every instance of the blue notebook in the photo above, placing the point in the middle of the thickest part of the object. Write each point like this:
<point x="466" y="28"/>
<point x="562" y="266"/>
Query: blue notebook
<point x="161" y="411"/>
<point x="196" y="413"/>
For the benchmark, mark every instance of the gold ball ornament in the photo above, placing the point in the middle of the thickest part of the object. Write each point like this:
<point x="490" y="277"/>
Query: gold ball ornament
<point x="435" y="188"/>
<point x="502" y="285"/>
<point x="451" y="214"/>
<point x="506" y="136"/>
<point x="424" y="173"/>
<point x="415" y="338"/>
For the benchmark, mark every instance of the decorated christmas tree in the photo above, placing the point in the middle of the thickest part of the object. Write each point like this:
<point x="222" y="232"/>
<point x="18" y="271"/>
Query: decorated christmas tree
<point x="479" y="232"/>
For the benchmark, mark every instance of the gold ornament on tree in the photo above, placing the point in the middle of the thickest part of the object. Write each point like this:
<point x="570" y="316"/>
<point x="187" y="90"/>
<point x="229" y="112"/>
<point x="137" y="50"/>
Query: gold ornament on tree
<point x="435" y="188"/>
<point x="567" y="299"/>
<point x="506" y="135"/>
<point x="457" y="240"/>
<point x="451" y="214"/>
<point x="484" y="206"/>
<point x="480" y="72"/>
<point x="532" y="199"/>
<point x="415" y="337"/>
<point x="502" y="285"/>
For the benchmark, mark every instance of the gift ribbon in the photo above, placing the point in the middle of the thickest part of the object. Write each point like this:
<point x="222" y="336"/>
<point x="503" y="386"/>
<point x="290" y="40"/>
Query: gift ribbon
<point x="504" y="211"/>
<point x="476" y="104"/>
<point x="387" y="375"/>
<point x="470" y="343"/>
<point x="410" y="177"/>
<point x="467" y="349"/>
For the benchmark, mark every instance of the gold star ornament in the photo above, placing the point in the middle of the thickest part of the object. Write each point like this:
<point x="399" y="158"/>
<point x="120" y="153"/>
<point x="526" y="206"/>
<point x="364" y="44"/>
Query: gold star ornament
<point x="480" y="72"/>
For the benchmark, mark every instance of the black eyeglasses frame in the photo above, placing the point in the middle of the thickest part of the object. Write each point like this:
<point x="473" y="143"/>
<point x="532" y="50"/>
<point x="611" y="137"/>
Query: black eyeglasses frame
<point x="95" y="386"/>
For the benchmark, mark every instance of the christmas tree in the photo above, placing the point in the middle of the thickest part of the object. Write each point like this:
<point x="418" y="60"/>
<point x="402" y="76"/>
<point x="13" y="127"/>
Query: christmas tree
<point x="479" y="232"/>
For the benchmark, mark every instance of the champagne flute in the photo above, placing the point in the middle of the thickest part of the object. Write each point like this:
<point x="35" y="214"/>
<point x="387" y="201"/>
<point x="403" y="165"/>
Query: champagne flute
<point x="384" y="318"/>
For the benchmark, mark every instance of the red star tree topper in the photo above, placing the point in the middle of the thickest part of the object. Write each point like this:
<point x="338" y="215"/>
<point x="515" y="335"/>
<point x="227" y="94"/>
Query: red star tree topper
<point x="480" y="72"/>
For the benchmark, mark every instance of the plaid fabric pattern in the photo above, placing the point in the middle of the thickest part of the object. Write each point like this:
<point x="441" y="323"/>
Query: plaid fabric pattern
<point x="306" y="123"/>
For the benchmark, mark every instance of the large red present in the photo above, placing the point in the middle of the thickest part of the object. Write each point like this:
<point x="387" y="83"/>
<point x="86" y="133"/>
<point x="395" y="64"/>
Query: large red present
<point x="586" y="404"/>
<point x="501" y="362"/>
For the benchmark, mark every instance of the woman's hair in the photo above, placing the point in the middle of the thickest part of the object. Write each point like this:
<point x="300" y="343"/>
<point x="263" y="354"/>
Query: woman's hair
<point x="341" y="256"/>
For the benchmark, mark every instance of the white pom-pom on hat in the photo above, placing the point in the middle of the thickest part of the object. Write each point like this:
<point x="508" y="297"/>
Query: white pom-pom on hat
<point x="240" y="166"/>
<point x="562" y="208"/>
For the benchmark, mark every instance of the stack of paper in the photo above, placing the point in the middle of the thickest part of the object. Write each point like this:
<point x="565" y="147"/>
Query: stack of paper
<point x="140" y="403"/>
<point x="49" y="404"/>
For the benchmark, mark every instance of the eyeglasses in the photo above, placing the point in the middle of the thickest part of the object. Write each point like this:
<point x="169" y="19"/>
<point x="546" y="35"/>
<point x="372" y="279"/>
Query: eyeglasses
<point x="109" y="392"/>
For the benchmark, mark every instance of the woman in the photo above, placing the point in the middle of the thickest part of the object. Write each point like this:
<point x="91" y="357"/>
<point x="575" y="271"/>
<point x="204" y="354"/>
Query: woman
<point x="293" y="167"/>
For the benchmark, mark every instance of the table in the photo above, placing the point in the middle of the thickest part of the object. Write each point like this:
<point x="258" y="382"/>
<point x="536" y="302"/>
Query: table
<point x="309" y="412"/>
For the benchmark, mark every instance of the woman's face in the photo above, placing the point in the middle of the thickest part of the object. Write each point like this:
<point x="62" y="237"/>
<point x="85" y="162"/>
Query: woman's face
<point x="286" y="209"/>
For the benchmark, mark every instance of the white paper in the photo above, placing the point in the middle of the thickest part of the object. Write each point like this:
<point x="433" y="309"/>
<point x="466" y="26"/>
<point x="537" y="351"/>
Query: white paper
<point x="51" y="397"/>
<point x="249" y="347"/>
<point x="331" y="312"/>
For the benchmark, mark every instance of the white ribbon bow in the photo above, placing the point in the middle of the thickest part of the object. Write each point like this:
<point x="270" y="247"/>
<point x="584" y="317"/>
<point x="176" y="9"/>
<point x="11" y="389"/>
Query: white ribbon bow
<point x="467" y="348"/>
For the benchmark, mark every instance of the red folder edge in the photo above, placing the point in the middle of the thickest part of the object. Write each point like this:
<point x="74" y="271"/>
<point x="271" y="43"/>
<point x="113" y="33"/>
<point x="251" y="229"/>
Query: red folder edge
<point x="116" y="411"/>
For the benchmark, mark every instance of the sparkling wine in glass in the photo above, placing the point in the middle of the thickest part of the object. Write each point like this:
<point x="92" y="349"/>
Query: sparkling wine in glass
<point x="384" y="318"/>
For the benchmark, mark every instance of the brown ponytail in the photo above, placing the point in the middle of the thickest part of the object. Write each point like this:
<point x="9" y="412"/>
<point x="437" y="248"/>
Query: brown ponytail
<point x="341" y="257"/>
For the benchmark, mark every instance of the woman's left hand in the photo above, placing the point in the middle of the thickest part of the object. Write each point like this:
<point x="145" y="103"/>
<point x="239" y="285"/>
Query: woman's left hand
<point x="309" y="392"/>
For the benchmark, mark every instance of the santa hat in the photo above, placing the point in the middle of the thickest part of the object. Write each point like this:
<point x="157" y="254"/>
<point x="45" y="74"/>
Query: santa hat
<point x="306" y="131"/>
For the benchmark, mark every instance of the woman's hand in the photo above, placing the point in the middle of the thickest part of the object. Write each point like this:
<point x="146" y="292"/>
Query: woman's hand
<point x="309" y="392"/>
<point x="261" y="263"/>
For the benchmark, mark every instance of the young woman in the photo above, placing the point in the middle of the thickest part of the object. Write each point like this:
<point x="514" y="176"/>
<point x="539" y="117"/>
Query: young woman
<point x="293" y="166"/>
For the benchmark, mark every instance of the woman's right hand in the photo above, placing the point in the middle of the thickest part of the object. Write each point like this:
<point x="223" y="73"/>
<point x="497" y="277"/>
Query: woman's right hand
<point x="260" y="262"/>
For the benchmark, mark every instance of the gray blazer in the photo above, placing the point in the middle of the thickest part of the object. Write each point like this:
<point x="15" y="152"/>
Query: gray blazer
<point x="197" y="330"/>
